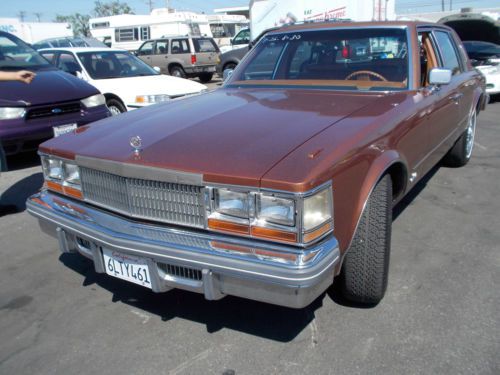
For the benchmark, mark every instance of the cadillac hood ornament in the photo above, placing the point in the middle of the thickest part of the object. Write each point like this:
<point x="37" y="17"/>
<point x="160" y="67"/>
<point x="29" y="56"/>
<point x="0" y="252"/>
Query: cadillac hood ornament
<point x="136" y="143"/>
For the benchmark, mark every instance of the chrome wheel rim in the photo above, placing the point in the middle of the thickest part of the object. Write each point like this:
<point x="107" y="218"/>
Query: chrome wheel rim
<point x="471" y="132"/>
<point x="114" y="110"/>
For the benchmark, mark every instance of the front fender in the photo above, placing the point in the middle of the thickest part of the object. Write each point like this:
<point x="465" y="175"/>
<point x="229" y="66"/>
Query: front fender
<point x="354" y="184"/>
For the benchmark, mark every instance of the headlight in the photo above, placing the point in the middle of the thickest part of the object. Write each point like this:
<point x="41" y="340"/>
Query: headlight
<point x="317" y="209"/>
<point x="94" y="101"/>
<point x="72" y="175"/>
<point x="62" y="176"/>
<point x="300" y="219"/>
<point x="52" y="168"/>
<point x="149" y="99"/>
<point x="10" y="113"/>
<point x="276" y="210"/>
<point x="232" y="203"/>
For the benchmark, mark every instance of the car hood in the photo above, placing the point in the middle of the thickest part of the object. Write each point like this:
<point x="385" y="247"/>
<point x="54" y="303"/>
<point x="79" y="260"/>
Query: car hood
<point x="49" y="86"/>
<point x="228" y="135"/>
<point x="148" y="85"/>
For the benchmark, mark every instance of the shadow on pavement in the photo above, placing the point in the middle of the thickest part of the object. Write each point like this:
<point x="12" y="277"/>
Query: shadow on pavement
<point x="255" y="318"/>
<point x="23" y="160"/>
<point x="18" y="193"/>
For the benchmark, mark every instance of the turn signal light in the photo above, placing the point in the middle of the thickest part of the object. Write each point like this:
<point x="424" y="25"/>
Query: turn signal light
<point x="193" y="59"/>
<point x="308" y="237"/>
<point x="274" y="234"/>
<point x="66" y="190"/>
<point x="228" y="226"/>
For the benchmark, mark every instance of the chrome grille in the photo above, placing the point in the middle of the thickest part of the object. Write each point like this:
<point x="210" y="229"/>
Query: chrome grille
<point x="145" y="199"/>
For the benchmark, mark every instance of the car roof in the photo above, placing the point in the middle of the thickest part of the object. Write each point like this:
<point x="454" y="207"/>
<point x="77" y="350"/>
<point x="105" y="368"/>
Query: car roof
<point x="83" y="49"/>
<point x="350" y="24"/>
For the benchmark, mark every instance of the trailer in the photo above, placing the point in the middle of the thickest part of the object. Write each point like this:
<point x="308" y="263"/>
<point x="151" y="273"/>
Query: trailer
<point x="32" y="32"/>
<point x="224" y="27"/>
<point x="265" y="14"/>
<point x="129" y="31"/>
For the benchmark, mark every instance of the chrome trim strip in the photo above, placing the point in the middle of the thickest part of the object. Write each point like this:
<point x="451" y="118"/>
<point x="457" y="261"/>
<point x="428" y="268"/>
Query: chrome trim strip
<point x="90" y="223"/>
<point x="140" y="171"/>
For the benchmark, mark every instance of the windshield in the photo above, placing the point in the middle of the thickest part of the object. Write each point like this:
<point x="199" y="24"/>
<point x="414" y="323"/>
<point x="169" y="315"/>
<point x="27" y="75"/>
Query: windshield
<point x="17" y="55"/>
<point x="114" y="64"/>
<point x="347" y="59"/>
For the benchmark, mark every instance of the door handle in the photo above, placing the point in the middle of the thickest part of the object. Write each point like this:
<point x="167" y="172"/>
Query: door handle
<point x="456" y="97"/>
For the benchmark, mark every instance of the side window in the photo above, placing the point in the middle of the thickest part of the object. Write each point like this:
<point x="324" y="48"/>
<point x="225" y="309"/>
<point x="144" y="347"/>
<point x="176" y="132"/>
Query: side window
<point x="243" y="37"/>
<point x="50" y="56"/>
<point x="146" y="49"/>
<point x="161" y="47"/>
<point x="180" y="46"/>
<point x="448" y="52"/>
<point x="67" y="62"/>
<point x="428" y="56"/>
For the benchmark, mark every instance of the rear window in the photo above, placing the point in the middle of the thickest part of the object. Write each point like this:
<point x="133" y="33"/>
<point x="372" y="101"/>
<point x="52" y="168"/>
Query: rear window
<point x="205" y="45"/>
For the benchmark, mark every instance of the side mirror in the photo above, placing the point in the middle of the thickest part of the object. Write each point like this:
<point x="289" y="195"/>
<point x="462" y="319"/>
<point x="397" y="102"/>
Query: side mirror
<point x="157" y="69"/>
<point x="439" y="76"/>
<point x="226" y="74"/>
<point x="231" y="41"/>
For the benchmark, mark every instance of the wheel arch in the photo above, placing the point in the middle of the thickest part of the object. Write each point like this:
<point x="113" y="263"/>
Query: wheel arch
<point x="110" y="95"/>
<point x="388" y="162"/>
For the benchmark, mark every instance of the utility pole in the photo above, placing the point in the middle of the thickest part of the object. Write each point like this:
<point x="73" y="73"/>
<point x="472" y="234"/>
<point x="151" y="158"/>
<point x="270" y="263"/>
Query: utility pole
<point x="21" y="15"/>
<point x="150" y="4"/>
<point x="38" y="16"/>
<point x="442" y="5"/>
<point x="450" y="4"/>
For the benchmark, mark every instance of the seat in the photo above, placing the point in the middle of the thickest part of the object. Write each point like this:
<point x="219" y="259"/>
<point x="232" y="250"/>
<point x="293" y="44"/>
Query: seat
<point x="102" y="69"/>
<point x="162" y="50"/>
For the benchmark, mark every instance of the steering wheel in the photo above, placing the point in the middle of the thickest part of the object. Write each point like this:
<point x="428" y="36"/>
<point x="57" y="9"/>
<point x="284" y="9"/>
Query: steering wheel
<point x="366" y="73"/>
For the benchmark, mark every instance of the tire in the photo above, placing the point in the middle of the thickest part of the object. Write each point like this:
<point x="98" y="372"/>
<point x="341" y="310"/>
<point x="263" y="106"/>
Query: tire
<point x="177" y="71"/>
<point x="366" y="263"/>
<point x="461" y="152"/>
<point x="229" y="66"/>
<point x="205" y="77"/>
<point x="115" y="106"/>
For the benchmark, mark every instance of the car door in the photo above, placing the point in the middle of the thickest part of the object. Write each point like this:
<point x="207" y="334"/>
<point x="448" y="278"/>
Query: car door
<point x="67" y="62"/>
<point x="145" y="52"/>
<point x="448" y="116"/>
<point x="160" y="55"/>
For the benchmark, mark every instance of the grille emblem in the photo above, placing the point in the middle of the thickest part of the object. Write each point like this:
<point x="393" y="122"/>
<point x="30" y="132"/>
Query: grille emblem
<point x="136" y="143"/>
<point x="56" y="111"/>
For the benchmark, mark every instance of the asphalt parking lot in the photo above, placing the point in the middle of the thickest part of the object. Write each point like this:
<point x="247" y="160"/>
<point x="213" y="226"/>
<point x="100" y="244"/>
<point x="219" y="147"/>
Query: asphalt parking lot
<point x="440" y="314"/>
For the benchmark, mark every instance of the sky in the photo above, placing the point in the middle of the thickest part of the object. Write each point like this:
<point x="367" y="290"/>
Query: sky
<point x="49" y="8"/>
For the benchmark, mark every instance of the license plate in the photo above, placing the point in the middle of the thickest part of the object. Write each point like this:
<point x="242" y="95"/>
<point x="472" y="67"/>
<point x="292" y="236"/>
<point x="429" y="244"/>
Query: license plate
<point x="63" y="129"/>
<point x="209" y="69"/>
<point x="126" y="267"/>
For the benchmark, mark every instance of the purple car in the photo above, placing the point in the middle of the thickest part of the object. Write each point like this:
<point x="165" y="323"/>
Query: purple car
<point x="54" y="103"/>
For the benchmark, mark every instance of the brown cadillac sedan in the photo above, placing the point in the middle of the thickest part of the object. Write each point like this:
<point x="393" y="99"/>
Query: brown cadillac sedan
<point x="281" y="182"/>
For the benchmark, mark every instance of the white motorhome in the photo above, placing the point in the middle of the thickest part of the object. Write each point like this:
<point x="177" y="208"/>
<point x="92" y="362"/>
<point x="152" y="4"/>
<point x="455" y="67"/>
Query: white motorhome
<point x="265" y="14"/>
<point x="32" y="32"/>
<point x="225" y="26"/>
<point x="129" y="31"/>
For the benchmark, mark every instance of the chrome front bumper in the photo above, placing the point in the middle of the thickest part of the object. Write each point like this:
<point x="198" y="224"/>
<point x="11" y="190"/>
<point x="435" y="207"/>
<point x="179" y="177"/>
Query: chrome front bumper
<point x="225" y="265"/>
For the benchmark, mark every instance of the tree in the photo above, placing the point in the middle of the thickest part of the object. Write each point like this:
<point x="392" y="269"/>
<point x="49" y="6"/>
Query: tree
<point x="111" y="8"/>
<point x="79" y="22"/>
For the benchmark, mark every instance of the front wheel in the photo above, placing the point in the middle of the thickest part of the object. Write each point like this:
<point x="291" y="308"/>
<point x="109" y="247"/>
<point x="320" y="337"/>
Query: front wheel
<point x="366" y="263"/>
<point x="115" y="106"/>
<point x="461" y="152"/>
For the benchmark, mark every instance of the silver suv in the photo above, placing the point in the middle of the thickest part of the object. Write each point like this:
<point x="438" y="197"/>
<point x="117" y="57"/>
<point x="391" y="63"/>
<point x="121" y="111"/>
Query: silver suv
<point x="182" y="56"/>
